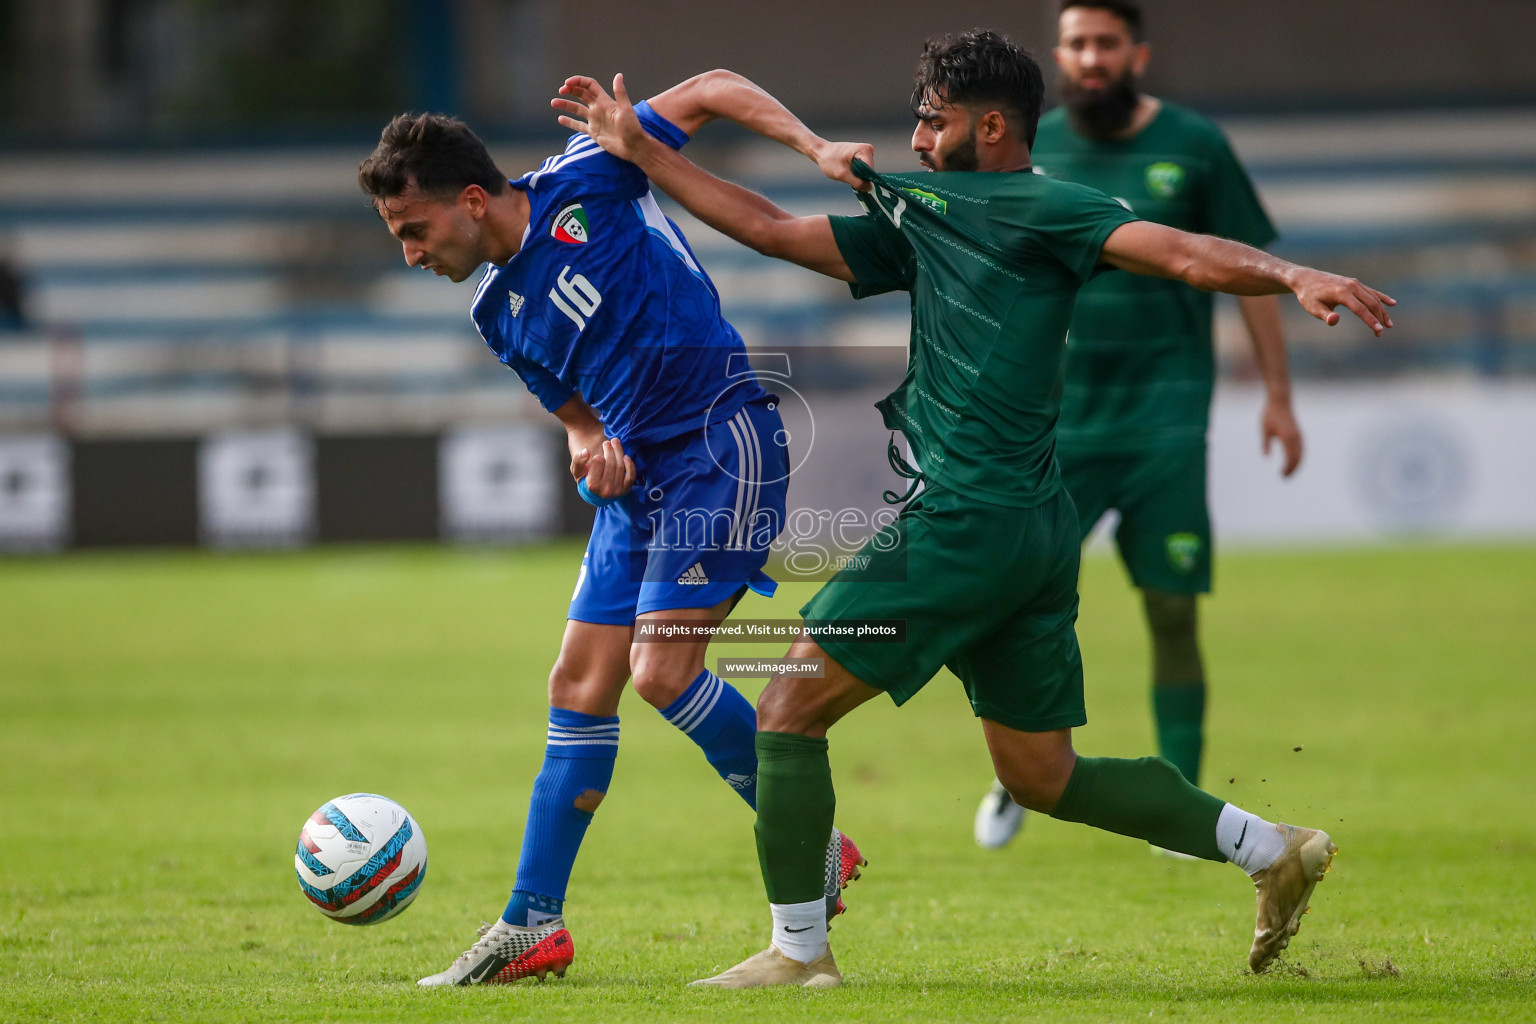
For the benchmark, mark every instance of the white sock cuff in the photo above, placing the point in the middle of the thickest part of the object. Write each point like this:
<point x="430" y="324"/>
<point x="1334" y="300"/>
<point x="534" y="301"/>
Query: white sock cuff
<point x="800" y="929"/>
<point x="1247" y="840"/>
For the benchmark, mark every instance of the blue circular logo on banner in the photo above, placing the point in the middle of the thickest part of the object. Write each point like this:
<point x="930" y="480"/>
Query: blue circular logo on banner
<point x="1415" y="474"/>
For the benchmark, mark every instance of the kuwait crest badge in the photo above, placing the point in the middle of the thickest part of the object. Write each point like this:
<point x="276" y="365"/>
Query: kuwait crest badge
<point x="570" y="224"/>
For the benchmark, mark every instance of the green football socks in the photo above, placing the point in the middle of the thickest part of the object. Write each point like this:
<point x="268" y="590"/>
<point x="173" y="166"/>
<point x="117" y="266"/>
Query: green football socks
<point x="1178" y="679"/>
<point x="795" y="803"/>
<point x="1145" y="799"/>
<point x="1180" y="715"/>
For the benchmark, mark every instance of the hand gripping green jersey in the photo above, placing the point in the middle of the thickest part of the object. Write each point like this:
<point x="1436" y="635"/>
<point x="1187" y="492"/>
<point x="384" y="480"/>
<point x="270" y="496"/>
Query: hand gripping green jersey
<point x="993" y="262"/>
<point x="1140" y="366"/>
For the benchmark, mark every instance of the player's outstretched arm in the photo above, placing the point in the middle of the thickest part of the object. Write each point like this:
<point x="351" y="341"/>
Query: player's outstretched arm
<point x="744" y="215"/>
<point x="722" y="94"/>
<point x="1221" y="265"/>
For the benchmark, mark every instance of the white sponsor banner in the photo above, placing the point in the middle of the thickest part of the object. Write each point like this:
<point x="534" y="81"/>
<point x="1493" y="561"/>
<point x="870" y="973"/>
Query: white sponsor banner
<point x="256" y="488"/>
<point x="34" y="493"/>
<point x="499" y="483"/>
<point x="1445" y="459"/>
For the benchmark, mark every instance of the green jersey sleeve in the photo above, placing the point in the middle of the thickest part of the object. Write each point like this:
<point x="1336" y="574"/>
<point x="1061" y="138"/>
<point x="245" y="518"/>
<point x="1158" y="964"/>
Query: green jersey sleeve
<point x="1232" y="206"/>
<point x="1068" y="220"/>
<point x="882" y="260"/>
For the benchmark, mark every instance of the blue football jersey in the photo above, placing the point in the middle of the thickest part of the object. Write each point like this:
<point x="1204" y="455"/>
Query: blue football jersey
<point x="606" y="299"/>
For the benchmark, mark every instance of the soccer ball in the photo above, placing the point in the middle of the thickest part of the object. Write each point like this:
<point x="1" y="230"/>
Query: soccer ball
<point x="361" y="859"/>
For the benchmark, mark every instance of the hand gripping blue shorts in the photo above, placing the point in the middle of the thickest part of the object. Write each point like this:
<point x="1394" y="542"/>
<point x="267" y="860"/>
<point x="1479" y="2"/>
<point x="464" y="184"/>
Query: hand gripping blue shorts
<point x="696" y="528"/>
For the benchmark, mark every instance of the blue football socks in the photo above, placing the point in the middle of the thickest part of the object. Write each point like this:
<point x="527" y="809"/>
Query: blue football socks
<point x="578" y="766"/>
<point x="721" y="721"/>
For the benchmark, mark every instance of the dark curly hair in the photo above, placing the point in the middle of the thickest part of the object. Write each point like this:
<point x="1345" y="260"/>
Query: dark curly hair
<point x="982" y="68"/>
<point x="436" y="153"/>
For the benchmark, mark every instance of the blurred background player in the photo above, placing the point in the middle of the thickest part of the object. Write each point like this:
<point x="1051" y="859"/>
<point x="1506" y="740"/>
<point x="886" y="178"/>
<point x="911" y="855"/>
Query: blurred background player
<point x="595" y="300"/>
<point x="982" y="564"/>
<point x="1140" y="361"/>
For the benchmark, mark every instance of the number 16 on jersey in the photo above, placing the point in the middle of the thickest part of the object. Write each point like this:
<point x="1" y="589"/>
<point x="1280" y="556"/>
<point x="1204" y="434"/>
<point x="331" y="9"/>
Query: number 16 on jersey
<point x="575" y="297"/>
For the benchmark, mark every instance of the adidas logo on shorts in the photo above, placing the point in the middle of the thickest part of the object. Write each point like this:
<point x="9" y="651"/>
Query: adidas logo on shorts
<point x="694" y="576"/>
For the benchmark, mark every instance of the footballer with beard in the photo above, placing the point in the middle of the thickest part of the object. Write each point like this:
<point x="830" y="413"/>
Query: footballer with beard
<point x="981" y="563"/>
<point x="1140" y="362"/>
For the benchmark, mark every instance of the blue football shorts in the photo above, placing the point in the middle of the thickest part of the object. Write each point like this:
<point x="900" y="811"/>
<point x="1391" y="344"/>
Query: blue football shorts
<point x="697" y="527"/>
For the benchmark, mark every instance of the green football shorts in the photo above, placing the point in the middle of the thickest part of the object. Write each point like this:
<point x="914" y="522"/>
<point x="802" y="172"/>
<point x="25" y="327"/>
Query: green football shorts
<point x="988" y="590"/>
<point x="1164" y="534"/>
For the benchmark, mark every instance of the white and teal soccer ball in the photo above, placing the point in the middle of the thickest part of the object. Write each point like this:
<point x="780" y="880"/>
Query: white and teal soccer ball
<point x="361" y="859"/>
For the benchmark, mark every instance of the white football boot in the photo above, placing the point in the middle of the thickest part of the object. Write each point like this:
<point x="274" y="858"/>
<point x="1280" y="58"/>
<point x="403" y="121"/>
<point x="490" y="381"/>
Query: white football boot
<point x="506" y="952"/>
<point x="998" y="819"/>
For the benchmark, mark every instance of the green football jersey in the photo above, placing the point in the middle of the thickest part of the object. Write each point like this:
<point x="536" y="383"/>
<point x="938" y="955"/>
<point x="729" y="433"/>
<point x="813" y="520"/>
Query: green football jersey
<point x="1140" y="364"/>
<point x="993" y="263"/>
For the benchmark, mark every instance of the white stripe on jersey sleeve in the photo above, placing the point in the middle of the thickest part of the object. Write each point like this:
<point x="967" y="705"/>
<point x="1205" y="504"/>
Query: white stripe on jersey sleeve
<point x="577" y="152"/>
<point x="485" y="281"/>
<point x="656" y="221"/>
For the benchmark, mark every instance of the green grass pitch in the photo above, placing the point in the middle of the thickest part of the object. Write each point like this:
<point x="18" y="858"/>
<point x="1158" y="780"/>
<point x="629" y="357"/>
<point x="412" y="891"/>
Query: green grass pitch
<point x="168" y="721"/>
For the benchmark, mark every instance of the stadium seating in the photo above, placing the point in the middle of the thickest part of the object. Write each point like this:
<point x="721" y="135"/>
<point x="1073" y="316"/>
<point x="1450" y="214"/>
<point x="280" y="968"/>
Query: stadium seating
<point x="211" y="288"/>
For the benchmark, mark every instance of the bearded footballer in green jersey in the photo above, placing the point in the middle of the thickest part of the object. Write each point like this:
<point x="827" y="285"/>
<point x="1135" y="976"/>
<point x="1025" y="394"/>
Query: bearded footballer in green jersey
<point x="1140" y="364"/>
<point x="987" y="553"/>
